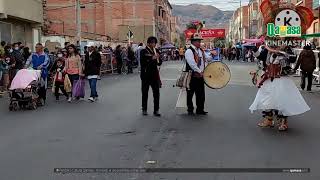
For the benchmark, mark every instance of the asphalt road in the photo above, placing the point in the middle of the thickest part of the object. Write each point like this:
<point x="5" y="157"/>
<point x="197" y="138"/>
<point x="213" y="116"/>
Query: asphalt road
<point x="112" y="134"/>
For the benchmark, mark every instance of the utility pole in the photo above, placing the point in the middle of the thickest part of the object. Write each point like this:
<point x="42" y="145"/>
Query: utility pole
<point x="240" y="27"/>
<point x="78" y="9"/>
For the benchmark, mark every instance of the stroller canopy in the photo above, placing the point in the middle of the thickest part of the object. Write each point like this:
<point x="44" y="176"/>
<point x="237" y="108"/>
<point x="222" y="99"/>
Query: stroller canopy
<point x="24" y="77"/>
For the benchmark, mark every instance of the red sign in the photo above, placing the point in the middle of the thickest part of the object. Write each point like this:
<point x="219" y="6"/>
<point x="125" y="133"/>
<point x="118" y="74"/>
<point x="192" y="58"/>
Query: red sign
<point x="206" y="33"/>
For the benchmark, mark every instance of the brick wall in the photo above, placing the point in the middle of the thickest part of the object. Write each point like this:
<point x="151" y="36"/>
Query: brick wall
<point x="102" y="18"/>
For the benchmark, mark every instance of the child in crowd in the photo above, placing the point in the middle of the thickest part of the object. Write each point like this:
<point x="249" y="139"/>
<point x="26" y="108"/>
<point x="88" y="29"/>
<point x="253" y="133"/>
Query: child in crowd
<point x="59" y="79"/>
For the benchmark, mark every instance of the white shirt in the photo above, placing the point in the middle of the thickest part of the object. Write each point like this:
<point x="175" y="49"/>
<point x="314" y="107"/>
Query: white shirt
<point x="93" y="77"/>
<point x="191" y="61"/>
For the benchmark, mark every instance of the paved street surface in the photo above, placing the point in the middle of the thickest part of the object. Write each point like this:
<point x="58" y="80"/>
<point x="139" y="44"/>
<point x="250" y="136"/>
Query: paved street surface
<point x="112" y="134"/>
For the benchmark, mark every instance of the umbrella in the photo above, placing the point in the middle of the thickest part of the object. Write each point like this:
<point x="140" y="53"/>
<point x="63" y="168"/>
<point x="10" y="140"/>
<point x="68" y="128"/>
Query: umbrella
<point x="248" y="45"/>
<point x="168" y="46"/>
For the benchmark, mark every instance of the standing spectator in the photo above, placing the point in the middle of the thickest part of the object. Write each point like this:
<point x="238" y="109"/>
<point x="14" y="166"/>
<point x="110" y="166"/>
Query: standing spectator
<point x="3" y="44"/>
<point x="59" y="79"/>
<point x="85" y="49"/>
<point x="181" y="53"/>
<point x="238" y="53"/>
<point x="17" y="55"/>
<point x="92" y="66"/>
<point x="8" y="62"/>
<point x="131" y="59"/>
<point x="124" y="57"/>
<point x="9" y="59"/>
<point x="307" y="63"/>
<point x="234" y="53"/>
<point x="26" y="54"/>
<point x="65" y="53"/>
<point x="150" y="60"/>
<point x="60" y="57"/>
<point x="118" y="58"/>
<point x="4" y="72"/>
<point x="73" y="66"/>
<point x="140" y="47"/>
<point x="66" y="44"/>
<point x="40" y="61"/>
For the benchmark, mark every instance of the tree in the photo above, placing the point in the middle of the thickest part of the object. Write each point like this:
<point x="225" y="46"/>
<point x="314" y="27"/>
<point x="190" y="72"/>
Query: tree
<point x="219" y="42"/>
<point x="182" y="40"/>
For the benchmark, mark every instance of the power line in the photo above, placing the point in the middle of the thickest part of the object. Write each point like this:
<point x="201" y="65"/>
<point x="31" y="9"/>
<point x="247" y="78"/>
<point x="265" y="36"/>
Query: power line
<point x="64" y="7"/>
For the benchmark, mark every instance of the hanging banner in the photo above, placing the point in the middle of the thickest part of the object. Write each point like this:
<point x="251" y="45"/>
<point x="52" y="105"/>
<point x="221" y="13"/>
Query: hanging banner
<point x="206" y="33"/>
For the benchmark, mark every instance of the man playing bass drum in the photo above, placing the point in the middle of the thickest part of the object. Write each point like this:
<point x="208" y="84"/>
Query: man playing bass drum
<point x="196" y="62"/>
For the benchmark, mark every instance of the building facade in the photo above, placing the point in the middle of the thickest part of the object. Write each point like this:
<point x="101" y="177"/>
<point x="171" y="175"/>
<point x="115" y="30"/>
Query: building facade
<point x="239" y="25"/>
<point x="110" y="20"/>
<point x="253" y="18"/>
<point x="17" y="25"/>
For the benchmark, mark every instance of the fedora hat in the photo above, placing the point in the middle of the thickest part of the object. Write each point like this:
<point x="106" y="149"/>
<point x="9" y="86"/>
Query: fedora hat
<point x="196" y="36"/>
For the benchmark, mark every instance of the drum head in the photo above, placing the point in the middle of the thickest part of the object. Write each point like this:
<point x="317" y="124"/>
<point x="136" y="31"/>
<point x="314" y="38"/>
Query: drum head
<point x="217" y="75"/>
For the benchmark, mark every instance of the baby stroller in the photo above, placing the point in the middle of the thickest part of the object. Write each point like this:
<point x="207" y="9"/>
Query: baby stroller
<point x="24" y="90"/>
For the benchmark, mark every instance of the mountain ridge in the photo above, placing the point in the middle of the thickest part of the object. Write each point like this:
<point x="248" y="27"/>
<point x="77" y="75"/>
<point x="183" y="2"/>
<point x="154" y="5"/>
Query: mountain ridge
<point x="214" y="17"/>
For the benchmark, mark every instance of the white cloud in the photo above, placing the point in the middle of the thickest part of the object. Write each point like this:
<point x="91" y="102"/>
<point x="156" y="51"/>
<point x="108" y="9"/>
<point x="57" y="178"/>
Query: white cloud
<point x="221" y="4"/>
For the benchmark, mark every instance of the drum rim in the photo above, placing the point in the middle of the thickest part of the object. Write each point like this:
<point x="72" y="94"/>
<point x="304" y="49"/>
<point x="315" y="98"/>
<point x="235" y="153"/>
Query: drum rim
<point x="227" y="81"/>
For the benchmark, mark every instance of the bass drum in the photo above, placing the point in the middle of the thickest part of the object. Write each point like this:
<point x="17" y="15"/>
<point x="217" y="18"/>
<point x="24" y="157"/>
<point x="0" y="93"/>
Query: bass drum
<point x="216" y="75"/>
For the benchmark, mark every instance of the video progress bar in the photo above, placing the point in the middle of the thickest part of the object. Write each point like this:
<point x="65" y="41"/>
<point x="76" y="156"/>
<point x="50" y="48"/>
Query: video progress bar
<point x="180" y="170"/>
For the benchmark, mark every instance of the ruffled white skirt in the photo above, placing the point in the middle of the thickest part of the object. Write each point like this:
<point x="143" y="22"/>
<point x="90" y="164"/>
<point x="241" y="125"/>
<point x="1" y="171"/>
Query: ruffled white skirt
<point x="281" y="94"/>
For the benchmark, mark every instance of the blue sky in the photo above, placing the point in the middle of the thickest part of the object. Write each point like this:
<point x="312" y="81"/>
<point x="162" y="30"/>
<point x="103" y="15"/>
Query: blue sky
<point x="221" y="4"/>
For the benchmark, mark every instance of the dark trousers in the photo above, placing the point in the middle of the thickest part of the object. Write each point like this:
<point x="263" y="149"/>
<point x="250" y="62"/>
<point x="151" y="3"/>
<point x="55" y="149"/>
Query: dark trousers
<point x="73" y="77"/>
<point x="196" y="87"/>
<point x="305" y="75"/>
<point x="119" y="66"/>
<point x="59" y="85"/>
<point x="145" y="84"/>
<point x="42" y="92"/>
<point x="130" y="68"/>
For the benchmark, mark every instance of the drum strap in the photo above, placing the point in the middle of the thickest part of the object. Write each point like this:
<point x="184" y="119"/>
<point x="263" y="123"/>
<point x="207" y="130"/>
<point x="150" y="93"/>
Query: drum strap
<point x="196" y="56"/>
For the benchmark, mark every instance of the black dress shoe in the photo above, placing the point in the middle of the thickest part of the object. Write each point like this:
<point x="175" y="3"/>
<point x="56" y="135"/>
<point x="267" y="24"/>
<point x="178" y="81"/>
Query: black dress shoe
<point x="145" y="113"/>
<point x="156" y="113"/>
<point x="202" y="113"/>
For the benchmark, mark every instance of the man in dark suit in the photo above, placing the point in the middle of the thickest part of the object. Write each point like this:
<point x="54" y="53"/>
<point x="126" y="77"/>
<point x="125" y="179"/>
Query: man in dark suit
<point x="150" y="60"/>
<point x="92" y="66"/>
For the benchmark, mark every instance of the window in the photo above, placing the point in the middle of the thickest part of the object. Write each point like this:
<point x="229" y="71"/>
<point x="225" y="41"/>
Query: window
<point x="316" y="27"/>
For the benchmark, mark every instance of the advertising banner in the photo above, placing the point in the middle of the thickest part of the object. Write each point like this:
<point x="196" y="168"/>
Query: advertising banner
<point x="206" y="33"/>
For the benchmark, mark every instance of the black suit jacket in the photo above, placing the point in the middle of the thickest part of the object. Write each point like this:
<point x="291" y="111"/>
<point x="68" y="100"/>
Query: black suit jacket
<point x="149" y="67"/>
<point x="92" y="63"/>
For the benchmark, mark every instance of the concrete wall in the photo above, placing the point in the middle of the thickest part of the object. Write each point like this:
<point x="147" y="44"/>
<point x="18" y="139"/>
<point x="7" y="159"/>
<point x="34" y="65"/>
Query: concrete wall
<point x="30" y="10"/>
<point x="19" y="31"/>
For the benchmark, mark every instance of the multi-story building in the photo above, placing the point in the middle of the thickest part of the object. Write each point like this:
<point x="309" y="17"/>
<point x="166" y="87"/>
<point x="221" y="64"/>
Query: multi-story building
<point x="175" y="30"/>
<point x="20" y="21"/>
<point x="261" y="25"/>
<point x="110" y="20"/>
<point x="239" y="25"/>
<point x="253" y="18"/>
